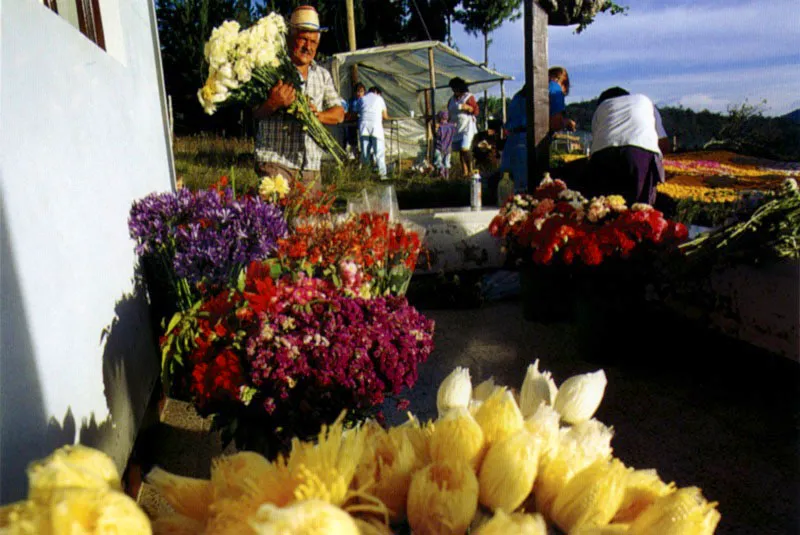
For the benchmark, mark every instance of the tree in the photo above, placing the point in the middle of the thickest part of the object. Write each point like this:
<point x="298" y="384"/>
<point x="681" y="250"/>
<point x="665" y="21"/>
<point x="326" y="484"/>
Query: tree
<point x="482" y="17"/>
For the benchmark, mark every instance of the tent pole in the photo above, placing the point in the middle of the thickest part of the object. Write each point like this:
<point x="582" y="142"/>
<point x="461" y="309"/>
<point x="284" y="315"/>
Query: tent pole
<point x="432" y="75"/>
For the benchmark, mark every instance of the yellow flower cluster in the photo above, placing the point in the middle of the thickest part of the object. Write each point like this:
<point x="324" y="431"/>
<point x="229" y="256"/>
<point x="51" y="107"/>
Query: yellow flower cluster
<point x="566" y="158"/>
<point x="698" y="193"/>
<point x="492" y="462"/>
<point x="76" y="490"/>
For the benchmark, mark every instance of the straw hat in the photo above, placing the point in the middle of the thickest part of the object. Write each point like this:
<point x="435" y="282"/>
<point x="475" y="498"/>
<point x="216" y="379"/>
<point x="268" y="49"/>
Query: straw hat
<point x="306" y="18"/>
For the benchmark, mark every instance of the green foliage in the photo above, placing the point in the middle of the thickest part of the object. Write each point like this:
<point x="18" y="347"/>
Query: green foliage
<point x="482" y="17"/>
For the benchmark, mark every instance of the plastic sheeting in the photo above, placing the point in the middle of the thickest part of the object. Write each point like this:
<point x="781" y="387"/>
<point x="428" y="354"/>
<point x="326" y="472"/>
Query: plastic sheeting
<point x="401" y="71"/>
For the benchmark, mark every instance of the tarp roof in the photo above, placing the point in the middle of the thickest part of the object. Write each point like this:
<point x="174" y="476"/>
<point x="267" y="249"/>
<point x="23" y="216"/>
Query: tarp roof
<point x="401" y="71"/>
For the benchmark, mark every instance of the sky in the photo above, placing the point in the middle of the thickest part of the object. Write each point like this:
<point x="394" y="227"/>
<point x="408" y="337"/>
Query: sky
<point x="699" y="54"/>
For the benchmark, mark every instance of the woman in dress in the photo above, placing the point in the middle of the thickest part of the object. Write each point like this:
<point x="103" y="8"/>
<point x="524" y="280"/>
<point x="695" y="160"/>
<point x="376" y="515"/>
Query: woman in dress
<point x="463" y="110"/>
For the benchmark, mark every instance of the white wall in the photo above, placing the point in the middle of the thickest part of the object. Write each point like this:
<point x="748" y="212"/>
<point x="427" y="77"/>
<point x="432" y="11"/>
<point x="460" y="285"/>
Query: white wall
<point x="82" y="135"/>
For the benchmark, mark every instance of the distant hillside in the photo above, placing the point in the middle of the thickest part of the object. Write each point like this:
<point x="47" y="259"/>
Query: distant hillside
<point x="793" y="116"/>
<point x="767" y="137"/>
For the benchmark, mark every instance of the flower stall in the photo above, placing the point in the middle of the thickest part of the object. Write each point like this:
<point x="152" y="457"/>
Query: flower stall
<point x="562" y="240"/>
<point x="282" y="315"/>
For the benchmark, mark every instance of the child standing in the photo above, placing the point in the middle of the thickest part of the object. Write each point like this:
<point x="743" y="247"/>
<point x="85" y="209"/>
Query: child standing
<point x="444" y="143"/>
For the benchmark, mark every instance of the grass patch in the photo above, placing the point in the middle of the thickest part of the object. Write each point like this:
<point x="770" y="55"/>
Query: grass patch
<point x="201" y="160"/>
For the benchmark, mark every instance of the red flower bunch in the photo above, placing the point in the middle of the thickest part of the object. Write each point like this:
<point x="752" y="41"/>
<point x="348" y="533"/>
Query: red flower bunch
<point x="292" y="353"/>
<point x="555" y="223"/>
<point x="363" y="253"/>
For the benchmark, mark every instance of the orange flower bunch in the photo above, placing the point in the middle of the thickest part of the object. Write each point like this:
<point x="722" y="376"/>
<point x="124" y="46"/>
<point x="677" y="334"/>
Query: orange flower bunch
<point x="365" y="253"/>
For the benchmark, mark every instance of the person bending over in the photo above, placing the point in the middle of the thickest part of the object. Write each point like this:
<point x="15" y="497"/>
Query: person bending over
<point x="628" y="138"/>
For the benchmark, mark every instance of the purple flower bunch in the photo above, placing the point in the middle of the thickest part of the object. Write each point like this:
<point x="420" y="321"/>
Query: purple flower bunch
<point x="348" y="353"/>
<point x="205" y="237"/>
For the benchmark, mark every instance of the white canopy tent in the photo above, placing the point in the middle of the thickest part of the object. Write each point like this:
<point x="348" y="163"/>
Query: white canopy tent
<point x="405" y="73"/>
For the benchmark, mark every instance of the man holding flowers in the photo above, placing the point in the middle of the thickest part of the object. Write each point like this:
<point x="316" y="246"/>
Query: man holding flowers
<point x="283" y="146"/>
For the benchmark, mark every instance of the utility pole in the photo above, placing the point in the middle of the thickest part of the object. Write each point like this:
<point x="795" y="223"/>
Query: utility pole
<point x="537" y="97"/>
<point x="351" y="37"/>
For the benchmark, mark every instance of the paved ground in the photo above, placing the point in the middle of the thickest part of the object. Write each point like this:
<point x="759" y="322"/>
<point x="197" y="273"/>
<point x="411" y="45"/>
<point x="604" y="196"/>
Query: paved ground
<point x="703" y="410"/>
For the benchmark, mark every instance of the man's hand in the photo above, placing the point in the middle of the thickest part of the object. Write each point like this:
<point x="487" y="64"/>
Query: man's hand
<point x="280" y="96"/>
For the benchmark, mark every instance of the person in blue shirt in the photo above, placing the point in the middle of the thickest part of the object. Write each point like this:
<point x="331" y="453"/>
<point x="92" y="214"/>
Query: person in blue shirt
<point x="515" y="152"/>
<point x="558" y="88"/>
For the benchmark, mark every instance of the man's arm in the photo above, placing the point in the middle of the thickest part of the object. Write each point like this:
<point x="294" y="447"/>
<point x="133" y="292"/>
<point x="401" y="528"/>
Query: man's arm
<point x="559" y="122"/>
<point x="331" y="116"/>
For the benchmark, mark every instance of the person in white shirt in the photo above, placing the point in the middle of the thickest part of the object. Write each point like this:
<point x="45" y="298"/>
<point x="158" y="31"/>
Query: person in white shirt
<point x="628" y="141"/>
<point x="371" y="109"/>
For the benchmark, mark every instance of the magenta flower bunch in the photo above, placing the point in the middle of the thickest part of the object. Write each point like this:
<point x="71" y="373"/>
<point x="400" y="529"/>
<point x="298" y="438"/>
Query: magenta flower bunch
<point x="275" y="359"/>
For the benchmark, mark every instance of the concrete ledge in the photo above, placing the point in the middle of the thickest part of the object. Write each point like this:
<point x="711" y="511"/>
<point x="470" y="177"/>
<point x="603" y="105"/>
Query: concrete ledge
<point x="457" y="239"/>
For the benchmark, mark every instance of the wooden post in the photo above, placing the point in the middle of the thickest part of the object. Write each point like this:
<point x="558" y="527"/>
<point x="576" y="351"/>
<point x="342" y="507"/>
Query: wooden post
<point x="428" y="122"/>
<point x="351" y="37"/>
<point x="432" y="76"/>
<point x="537" y="98"/>
<point x="504" y="115"/>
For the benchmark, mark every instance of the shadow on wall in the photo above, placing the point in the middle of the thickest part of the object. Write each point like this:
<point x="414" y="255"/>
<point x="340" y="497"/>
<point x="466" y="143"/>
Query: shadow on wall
<point x="24" y="430"/>
<point x="130" y="369"/>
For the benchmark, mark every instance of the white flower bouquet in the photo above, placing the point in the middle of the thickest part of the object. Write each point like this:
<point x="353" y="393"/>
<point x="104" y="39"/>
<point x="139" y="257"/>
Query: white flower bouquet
<point x="244" y="65"/>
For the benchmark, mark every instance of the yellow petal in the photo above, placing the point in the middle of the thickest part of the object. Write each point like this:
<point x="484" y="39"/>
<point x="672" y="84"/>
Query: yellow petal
<point x="457" y="436"/>
<point x="579" y="396"/>
<point x="309" y="517"/>
<point x="610" y="529"/>
<point x="455" y="390"/>
<point x="499" y="416"/>
<point x="643" y="487"/>
<point x="484" y="390"/>
<point x="684" y="511"/>
<point x="119" y="513"/>
<point x="537" y="388"/>
<point x="188" y="496"/>
<point x="508" y="471"/>
<point x="73" y="466"/>
<point x="591" y="497"/>
<point x="516" y="523"/>
<point x="442" y="499"/>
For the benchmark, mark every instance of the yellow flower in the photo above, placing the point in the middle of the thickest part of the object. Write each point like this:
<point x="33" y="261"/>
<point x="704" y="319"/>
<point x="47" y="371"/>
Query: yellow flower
<point x="642" y="488"/>
<point x="386" y="469"/>
<point x="579" y="396"/>
<point x="499" y="416"/>
<point x="537" y="387"/>
<point x="308" y="517"/>
<point x="71" y="467"/>
<point x="281" y="186"/>
<point x="266" y="188"/>
<point x="76" y="511"/>
<point x="591" y="497"/>
<point x="610" y="529"/>
<point x="455" y="390"/>
<point x="457" y="436"/>
<point x="680" y="512"/>
<point x="442" y="499"/>
<point x="578" y="447"/>
<point x="509" y="470"/>
<point x="370" y="526"/>
<point x="188" y="496"/>
<point x="516" y="523"/>
<point x="543" y="424"/>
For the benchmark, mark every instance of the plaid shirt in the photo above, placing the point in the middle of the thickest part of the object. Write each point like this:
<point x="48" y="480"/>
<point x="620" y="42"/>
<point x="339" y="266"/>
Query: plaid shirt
<point x="280" y="138"/>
